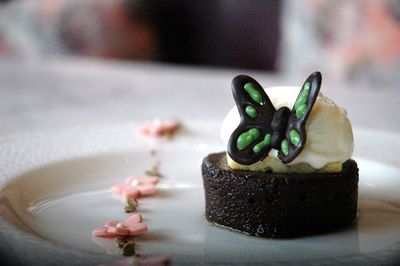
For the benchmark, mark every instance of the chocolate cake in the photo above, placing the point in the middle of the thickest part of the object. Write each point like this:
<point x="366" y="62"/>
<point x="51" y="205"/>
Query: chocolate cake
<point x="278" y="204"/>
<point x="286" y="172"/>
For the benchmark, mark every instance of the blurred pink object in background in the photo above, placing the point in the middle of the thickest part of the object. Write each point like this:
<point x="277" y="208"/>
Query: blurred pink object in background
<point x="353" y="40"/>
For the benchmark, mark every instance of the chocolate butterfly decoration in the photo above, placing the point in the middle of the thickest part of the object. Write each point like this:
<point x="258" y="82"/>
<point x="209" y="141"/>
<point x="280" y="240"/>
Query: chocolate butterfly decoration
<point x="263" y="128"/>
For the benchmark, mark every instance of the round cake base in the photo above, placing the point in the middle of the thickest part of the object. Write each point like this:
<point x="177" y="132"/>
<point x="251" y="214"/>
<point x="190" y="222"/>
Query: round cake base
<point x="279" y="205"/>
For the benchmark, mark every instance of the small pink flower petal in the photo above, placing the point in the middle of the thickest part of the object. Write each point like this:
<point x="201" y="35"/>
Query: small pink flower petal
<point x="157" y="131"/>
<point x="147" y="189"/>
<point x="112" y="223"/>
<point x="158" y="128"/>
<point x="102" y="231"/>
<point x="123" y="231"/>
<point x="112" y="229"/>
<point x="133" y="220"/>
<point x="144" y="129"/>
<point x="131" y="193"/>
<point x="131" y="179"/>
<point x="118" y="188"/>
<point x="118" y="231"/>
<point x="137" y="229"/>
<point x="169" y="126"/>
<point x="111" y="235"/>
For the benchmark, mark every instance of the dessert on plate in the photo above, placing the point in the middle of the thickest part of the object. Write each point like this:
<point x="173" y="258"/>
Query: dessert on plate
<point x="287" y="171"/>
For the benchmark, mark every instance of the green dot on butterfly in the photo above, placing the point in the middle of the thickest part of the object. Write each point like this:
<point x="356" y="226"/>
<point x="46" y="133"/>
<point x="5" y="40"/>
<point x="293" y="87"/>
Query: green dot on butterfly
<point x="307" y="86"/>
<point x="261" y="145"/>
<point x="294" y="137"/>
<point x="285" y="147"/>
<point x="251" y="111"/>
<point x="300" y="111"/>
<point x="247" y="137"/>
<point x="302" y="98"/>
<point x="253" y="92"/>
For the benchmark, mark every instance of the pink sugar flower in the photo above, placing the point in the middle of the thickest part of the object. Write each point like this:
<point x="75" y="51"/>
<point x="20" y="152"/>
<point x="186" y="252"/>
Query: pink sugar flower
<point x="135" y="187"/>
<point x="159" y="128"/>
<point x="126" y="191"/>
<point x="133" y="225"/>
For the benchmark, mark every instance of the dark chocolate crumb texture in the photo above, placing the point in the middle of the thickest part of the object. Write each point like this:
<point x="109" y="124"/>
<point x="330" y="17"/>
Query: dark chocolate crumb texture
<point x="279" y="205"/>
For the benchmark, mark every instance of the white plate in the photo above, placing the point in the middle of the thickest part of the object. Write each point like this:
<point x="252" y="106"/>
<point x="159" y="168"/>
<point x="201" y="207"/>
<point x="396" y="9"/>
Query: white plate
<point x="55" y="188"/>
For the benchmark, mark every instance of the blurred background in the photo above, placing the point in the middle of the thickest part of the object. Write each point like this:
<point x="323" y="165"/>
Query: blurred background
<point x="346" y="40"/>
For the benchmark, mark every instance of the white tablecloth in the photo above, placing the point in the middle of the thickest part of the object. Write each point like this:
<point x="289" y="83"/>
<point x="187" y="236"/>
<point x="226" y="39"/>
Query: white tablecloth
<point x="72" y="91"/>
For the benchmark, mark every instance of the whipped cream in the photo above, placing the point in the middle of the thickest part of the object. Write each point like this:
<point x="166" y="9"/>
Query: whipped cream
<point x="329" y="136"/>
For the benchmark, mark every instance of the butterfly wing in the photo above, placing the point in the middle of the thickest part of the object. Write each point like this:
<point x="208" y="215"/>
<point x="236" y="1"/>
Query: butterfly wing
<point x="251" y="140"/>
<point x="295" y="135"/>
